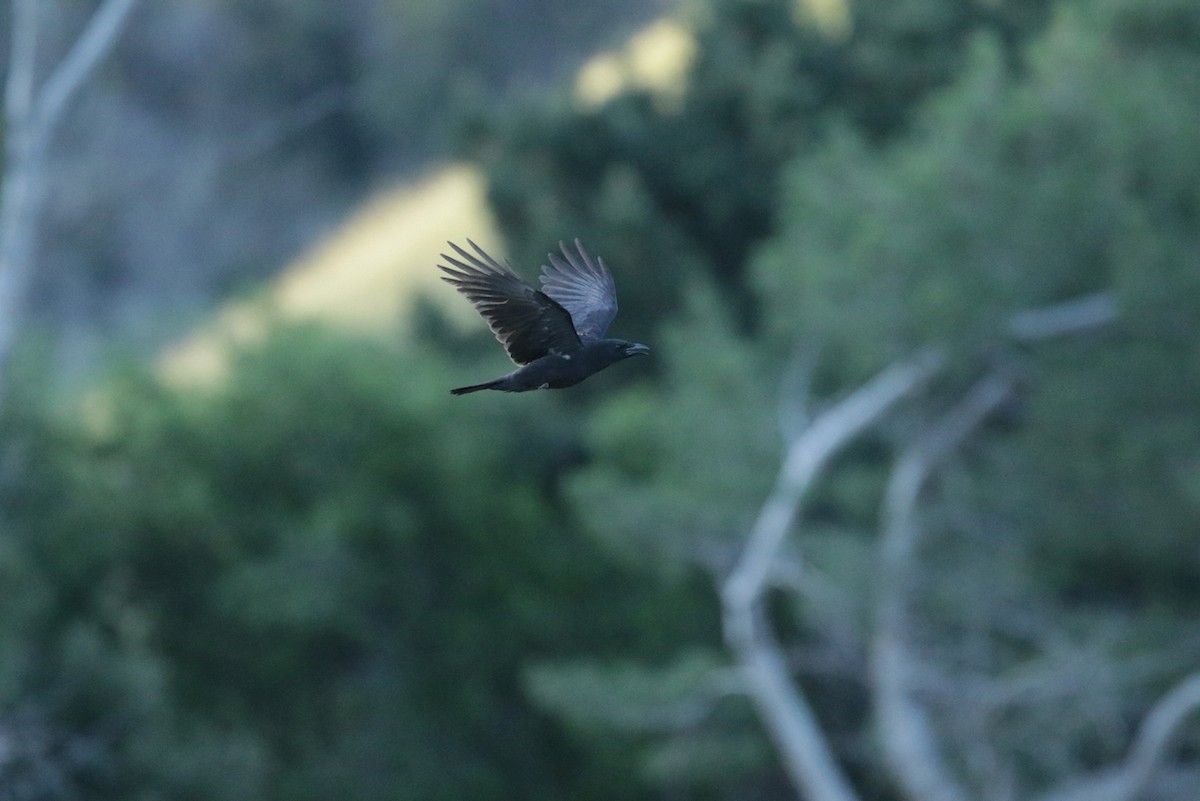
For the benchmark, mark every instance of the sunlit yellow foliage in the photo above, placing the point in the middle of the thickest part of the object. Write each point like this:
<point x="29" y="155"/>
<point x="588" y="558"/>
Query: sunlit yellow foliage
<point x="360" y="276"/>
<point x="831" y="16"/>
<point x="655" y="60"/>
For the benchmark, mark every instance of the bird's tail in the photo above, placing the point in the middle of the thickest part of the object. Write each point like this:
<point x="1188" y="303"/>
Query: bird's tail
<point x="476" y="387"/>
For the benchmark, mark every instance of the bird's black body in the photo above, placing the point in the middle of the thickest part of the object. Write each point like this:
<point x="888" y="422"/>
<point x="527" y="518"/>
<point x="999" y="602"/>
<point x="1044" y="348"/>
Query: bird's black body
<point x="555" y="371"/>
<point x="555" y="335"/>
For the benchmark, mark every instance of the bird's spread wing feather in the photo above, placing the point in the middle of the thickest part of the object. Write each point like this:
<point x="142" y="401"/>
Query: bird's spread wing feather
<point x="584" y="286"/>
<point x="527" y="322"/>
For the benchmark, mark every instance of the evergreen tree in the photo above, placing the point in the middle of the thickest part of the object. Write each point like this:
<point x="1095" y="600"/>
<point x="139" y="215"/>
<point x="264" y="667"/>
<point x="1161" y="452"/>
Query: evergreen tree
<point x="1056" y="549"/>
<point x="318" y="580"/>
<point x="673" y="191"/>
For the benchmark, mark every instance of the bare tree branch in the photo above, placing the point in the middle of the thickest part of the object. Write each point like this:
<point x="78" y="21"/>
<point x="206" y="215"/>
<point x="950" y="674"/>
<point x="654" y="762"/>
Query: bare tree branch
<point x="89" y="49"/>
<point x="1073" y="316"/>
<point x="19" y="194"/>
<point x="906" y="732"/>
<point x="909" y="742"/>
<point x="18" y="89"/>
<point x="1158" y="729"/>
<point x="786" y="713"/>
<point x="1129" y="780"/>
<point x="807" y="456"/>
<point x="795" y="391"/>
<point x="31" y="120"/>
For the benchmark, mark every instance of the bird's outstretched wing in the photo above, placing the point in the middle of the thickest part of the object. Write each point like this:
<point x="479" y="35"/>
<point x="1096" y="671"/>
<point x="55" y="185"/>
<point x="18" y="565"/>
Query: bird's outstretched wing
<point x="528" y="323"/>
<point x="584" y="286"/>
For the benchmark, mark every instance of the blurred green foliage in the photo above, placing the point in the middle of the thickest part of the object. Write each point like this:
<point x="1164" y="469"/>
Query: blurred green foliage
<point x="319" y="580"/>
<point x="676" y="192"/>
<point x="1004" y="192"/>
<point x="1016" y="195"/>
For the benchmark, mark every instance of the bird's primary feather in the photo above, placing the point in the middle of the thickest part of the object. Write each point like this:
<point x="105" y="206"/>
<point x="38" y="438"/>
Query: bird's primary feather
<point x="530" y="324"/>
<point x="583" y="286"/>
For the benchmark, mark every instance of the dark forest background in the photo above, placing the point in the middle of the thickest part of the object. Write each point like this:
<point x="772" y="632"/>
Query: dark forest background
<point x="323" y="577"/>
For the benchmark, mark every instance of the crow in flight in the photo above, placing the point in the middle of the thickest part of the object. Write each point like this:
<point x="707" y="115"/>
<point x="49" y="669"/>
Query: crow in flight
<point x="555" y="335"/>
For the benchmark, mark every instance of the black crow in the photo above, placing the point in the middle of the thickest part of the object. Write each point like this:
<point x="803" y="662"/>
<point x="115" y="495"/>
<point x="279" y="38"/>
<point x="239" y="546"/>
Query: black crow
<point x="557" y="334"/>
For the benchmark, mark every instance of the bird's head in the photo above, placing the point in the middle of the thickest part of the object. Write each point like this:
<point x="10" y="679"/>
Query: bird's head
<point x="610" y="351"/>
<point x="627" y="349"/>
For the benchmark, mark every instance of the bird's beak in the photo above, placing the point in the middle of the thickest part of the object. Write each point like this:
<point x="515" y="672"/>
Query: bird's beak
<point x="637" y="349"/>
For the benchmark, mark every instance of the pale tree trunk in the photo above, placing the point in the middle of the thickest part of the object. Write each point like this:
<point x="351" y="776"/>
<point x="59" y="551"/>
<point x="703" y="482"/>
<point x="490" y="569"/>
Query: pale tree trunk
<point x="32" y="117"/>
<point x="908" y="736"/>
<point x="780" y="703"/>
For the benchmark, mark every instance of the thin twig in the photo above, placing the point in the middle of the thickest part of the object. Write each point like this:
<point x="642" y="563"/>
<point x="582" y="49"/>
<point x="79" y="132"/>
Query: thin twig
<point x="1129" y="780"/>
<point x="31" y="119"/>
<point x="89" y="49"/>
<point x="1073" y="316"/>
<point x="909" y="741"/>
